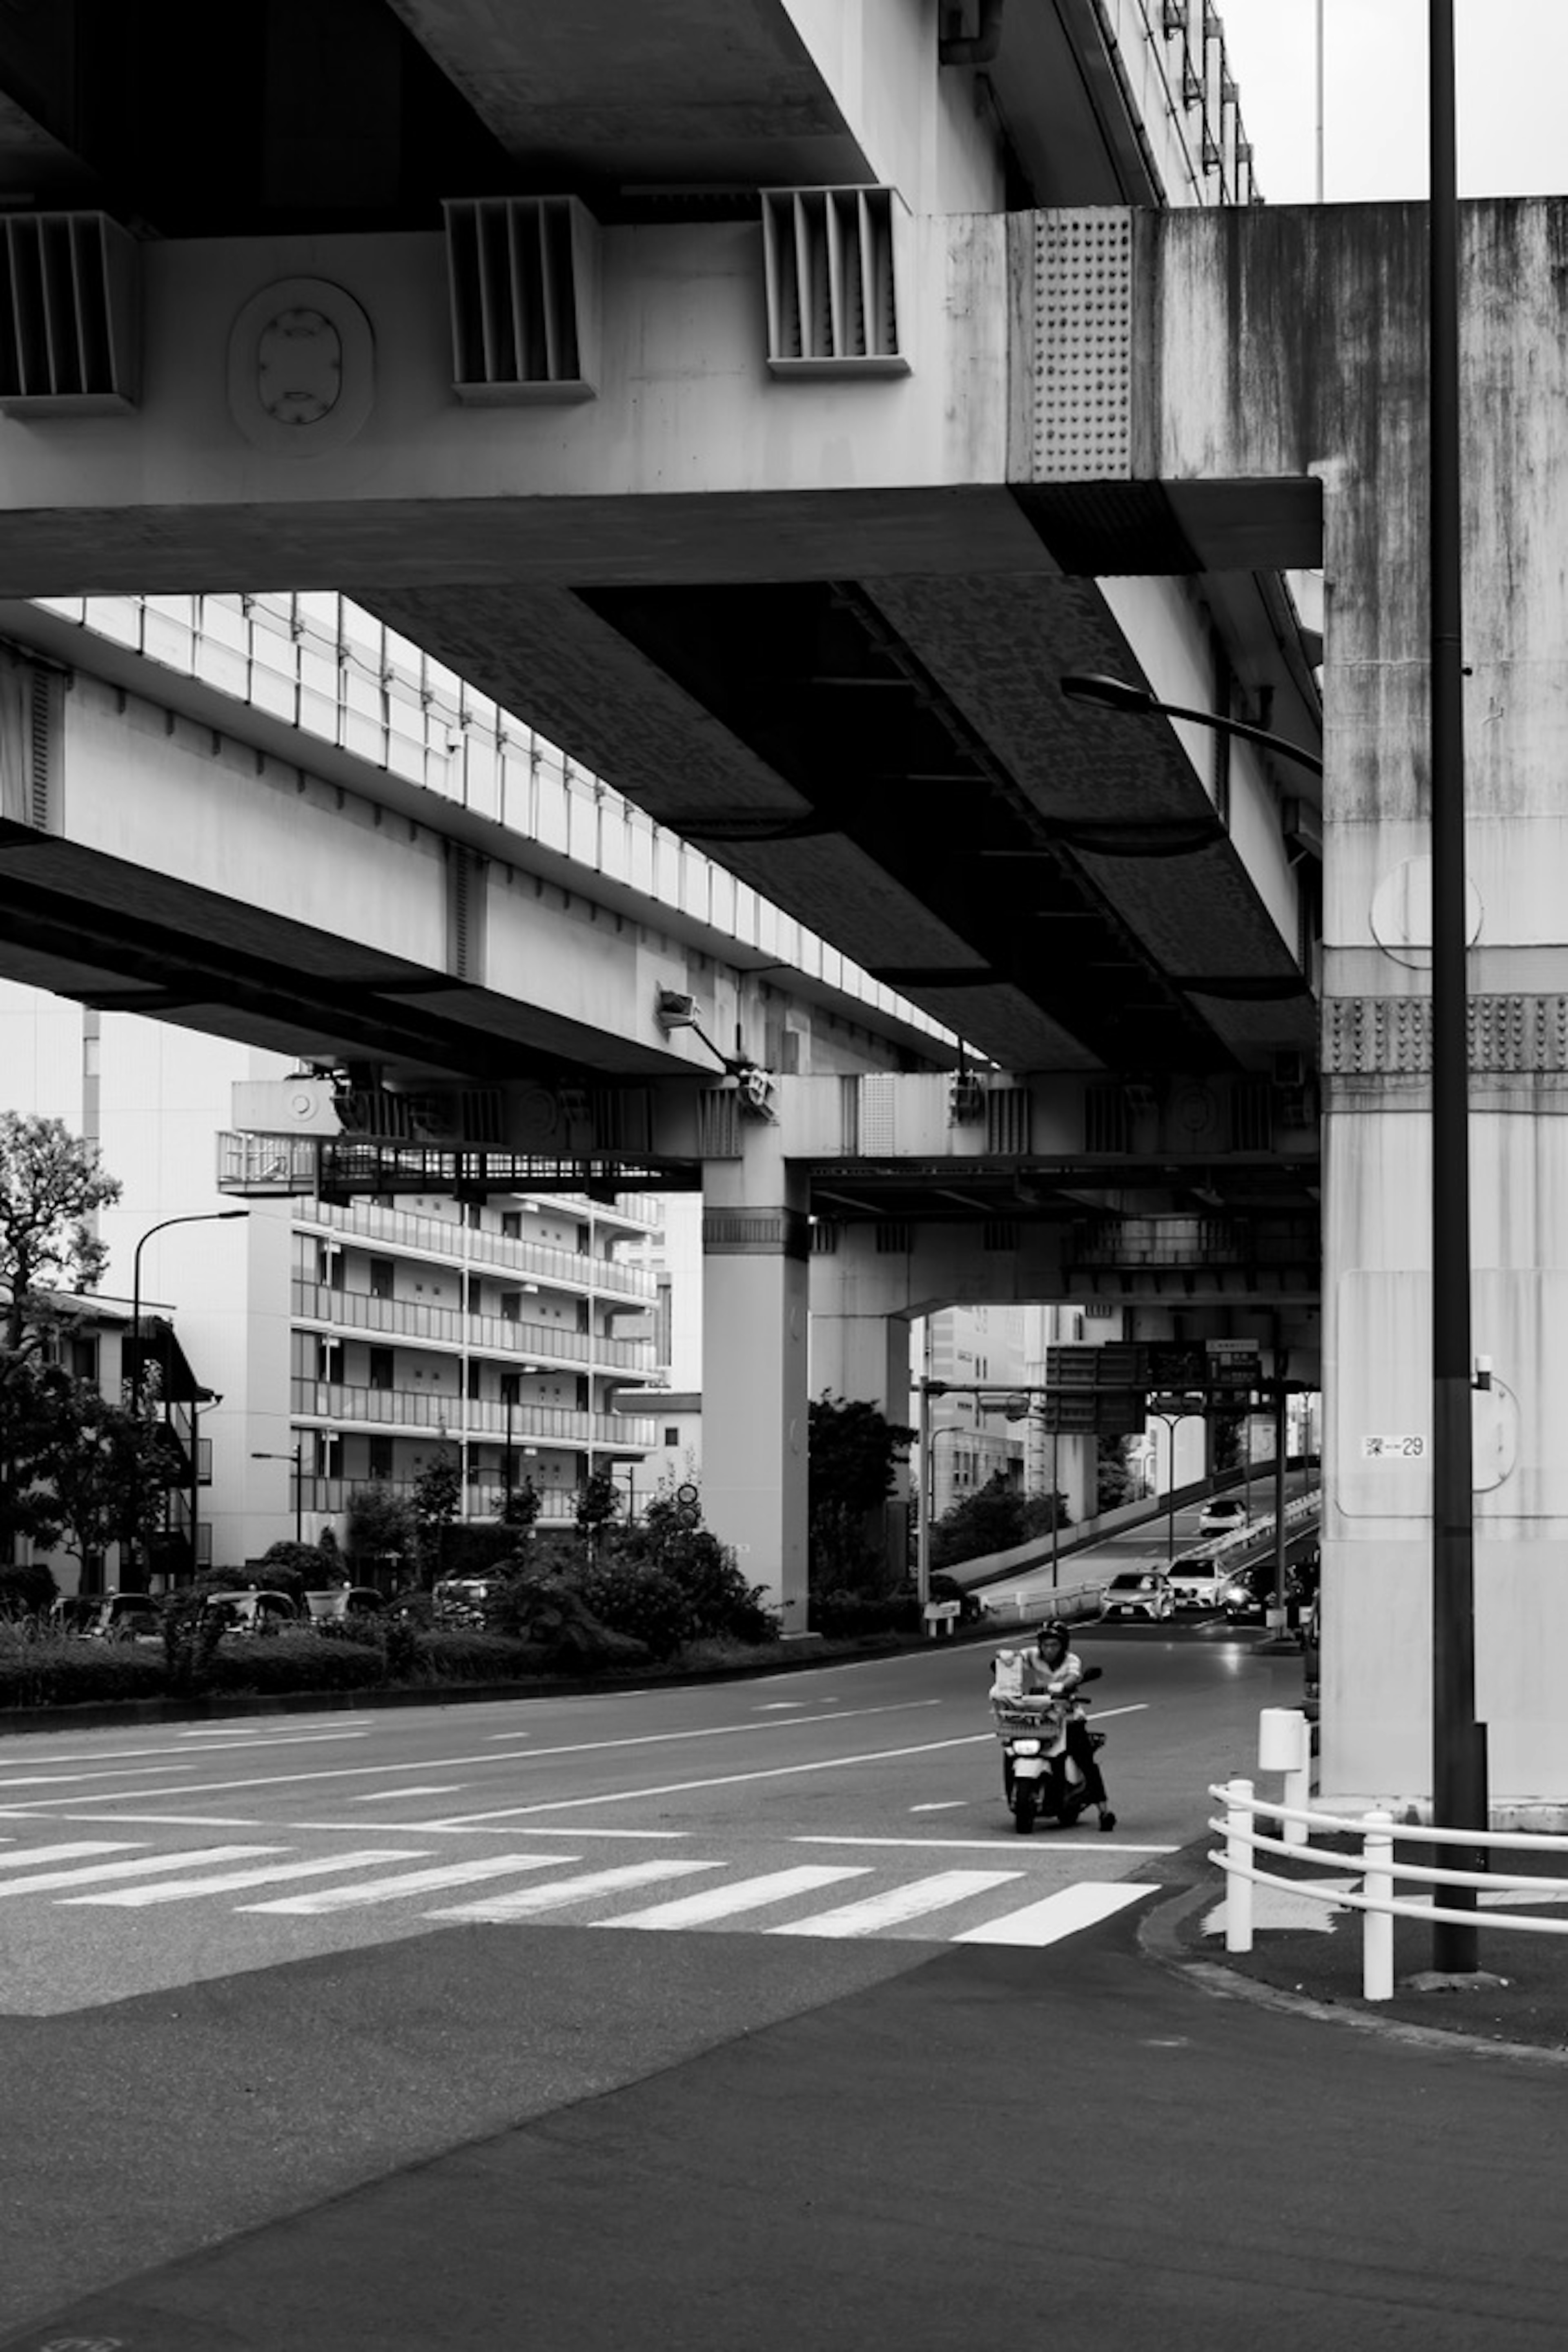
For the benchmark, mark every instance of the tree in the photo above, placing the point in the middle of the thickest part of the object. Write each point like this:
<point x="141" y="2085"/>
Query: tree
<point x="434" y="1502"/>
<point x="520" y="1507"/>
<point x="854" y="1451"/>
<point x="111" y="1475"/>
<point x="50" y="1186"/>
<point x="380" y="1536"/>
<point x="1113" y="1479"/>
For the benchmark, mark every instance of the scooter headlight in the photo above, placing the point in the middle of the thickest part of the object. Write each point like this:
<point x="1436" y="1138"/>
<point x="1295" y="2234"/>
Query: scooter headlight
<point x="1026" y="1747"/>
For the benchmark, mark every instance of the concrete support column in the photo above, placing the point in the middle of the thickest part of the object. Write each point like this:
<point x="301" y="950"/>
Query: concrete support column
<point x="862" y="1351"/>
<point x="755" y="1246"/>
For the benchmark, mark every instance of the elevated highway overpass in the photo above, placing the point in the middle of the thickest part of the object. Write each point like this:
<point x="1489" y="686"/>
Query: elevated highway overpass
<point x="774" y="402"/>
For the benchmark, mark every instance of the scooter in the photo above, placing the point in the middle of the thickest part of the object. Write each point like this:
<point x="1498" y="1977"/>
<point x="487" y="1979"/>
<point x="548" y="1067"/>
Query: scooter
<point x="1040" y="1780"/>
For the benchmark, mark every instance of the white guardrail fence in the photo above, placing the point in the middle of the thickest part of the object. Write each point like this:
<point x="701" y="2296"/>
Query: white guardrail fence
<point x="1284" y="1745"/>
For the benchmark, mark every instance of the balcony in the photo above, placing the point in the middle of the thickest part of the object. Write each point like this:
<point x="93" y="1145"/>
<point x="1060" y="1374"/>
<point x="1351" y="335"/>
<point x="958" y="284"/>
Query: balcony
<point x="335" y="1401"/>
<point x="557" y="1505"/>
<point x="460" y="1246"/>
<point x="477" y="1335"/>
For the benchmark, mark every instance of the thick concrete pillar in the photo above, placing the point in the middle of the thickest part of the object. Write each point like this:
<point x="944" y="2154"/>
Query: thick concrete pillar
<point x="859" y="1348"/>
<point x="1377" y="1583"/>
<point x="755" y="1245"/>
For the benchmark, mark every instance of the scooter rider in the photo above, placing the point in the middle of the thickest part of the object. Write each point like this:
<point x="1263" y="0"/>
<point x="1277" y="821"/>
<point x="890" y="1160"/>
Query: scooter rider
<point x="1052" y="1667"/>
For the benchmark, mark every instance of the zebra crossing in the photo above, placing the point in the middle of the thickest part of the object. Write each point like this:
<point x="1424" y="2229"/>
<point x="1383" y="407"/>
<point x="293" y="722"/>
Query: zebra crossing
<point x="881" y="1897"/>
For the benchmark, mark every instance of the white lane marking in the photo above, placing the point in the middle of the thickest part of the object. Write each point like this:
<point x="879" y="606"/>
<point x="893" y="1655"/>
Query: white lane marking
<point x="448" y="1763"/>
<point x="345" y="1829"/>
<point x="413" y="1882"/>
<point x="396" y="1796"/>
<point x="897" y="1904"/>
<point x="986" y="1845"/>
<point x="721" y="1780"/>
<point x="224" y="1882"/>
<point x="944" y="1805"/>
<point x="31" y="1855"/>
<point x="1104" y="1714"/>
<point x="47" y="1780"/>
<point x="745" y="1894"/>
<point x="150" y="1862"/>
<point x="338" y="1726"/>
<point x="1065" y="1913"/>
<point x="529" y="1901"/>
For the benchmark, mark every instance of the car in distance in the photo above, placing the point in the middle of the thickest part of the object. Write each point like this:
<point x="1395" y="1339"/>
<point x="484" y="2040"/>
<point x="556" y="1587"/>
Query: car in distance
<point x="1198" y="1581"/>
<point x="1223" y="1515"/>
<point x="110" y="1616"/>
<point x="1137" y="1592"/>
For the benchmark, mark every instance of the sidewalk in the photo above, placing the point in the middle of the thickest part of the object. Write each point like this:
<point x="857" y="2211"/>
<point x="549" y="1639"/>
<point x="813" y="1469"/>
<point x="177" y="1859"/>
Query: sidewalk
<point x="1306" y="1957"/>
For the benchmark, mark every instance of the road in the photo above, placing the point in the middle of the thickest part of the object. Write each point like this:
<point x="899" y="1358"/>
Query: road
<point x="324" y="2042"/>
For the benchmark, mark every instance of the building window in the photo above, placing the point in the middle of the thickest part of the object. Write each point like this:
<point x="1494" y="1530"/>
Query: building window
<point x="475" y="1391"/>
<point x="510" y="1387"/>
<point x="672" y="1436"/>
<point x="512" y="1305"/>
<point x="381" y="1367"/>
<point x="329" y="1454"/>
<point x="511" y="1224"/>
<point x="381" y="1278"/>
<point x="379" y="1457"/>
<point x="473" y="1216"/>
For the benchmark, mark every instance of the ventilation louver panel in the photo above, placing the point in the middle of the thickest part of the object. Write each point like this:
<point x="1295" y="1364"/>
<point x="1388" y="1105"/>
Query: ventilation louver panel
<point x="831" y="259"/>
<point x="523" y="277"/>
<point x="68" y="324"/>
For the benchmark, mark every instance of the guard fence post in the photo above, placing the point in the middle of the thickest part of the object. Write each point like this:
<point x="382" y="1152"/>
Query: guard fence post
<point x="1237" y="1857"/>
<point x="1377" y="1926"/>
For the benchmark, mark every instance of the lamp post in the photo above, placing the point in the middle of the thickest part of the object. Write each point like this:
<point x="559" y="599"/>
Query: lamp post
<point x="1172" y="1422"/>
<point x="298" y="1459"/>
<point x="1459" y="1798"/>
<point x="200" y="1217"/>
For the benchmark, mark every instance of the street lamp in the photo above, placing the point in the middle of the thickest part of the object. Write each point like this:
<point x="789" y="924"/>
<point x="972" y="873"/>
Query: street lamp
<point x="200" y="1217"/>
<point x="1172" y="1422"/>
<point x="297" y="1457"/>
<point x="1137" y="702"/>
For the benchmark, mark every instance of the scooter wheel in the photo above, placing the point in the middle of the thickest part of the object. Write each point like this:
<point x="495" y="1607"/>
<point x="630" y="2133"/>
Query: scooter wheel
<point x="1023" y="1811"/>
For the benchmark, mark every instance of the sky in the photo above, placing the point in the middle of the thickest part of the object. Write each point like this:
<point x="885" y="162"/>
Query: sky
<point x="1512" y="81"/>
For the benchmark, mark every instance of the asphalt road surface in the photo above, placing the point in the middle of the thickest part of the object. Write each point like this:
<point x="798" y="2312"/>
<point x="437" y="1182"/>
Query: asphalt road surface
<point x="312" y="2034"/>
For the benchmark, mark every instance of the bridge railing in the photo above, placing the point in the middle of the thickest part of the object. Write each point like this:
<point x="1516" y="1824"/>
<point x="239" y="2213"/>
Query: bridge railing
<point x="1367" y="1853"/>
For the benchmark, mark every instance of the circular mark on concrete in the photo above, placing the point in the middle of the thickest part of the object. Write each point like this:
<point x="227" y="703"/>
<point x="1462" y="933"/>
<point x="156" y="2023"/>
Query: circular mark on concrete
<point x="301" y="368"/>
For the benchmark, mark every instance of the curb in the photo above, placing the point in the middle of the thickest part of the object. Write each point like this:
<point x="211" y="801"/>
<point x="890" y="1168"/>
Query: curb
<point x="1159" y="1940"/>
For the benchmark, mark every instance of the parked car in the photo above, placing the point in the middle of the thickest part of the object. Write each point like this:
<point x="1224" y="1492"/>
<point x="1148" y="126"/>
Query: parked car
<point x="251" y="1612"/>
<point x="1137" y="1592"/>
<point x="344" y="1601"/>
<point x="110" y="1616"/>
<point x="1223" y="1515"/>
<point x="459" y="1600"/>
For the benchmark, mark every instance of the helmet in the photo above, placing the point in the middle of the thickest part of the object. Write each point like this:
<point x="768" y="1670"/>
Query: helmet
<point x="1052" y="1629"/>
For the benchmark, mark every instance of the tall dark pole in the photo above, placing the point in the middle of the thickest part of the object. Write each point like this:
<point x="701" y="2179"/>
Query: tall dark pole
<point x="1459" y="1755"/>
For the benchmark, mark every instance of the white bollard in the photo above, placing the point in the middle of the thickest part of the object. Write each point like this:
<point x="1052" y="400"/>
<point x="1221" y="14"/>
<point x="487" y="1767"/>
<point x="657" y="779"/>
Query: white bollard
<point x="1377" y="1926"/>
<point x="1237" y="1857"/>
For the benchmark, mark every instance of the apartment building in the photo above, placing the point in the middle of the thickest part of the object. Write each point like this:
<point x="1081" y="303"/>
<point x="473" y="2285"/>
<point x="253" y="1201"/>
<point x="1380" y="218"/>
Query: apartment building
<point x="502" y="1329"/>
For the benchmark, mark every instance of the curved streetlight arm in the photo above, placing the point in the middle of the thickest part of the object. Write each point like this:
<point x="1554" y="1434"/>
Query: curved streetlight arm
<point x="197" y="1217"/>
<point x="1136" y="702"/>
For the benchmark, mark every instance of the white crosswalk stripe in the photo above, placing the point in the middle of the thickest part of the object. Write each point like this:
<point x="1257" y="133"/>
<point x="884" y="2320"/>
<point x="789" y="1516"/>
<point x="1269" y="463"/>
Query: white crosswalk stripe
<point x="1065" y="1913"/>
<point x="226" y="1882"/>
<point x="898" y="1904"/>
<point x="77" y="1851"/>
<point x="75" y="1875"/>
<point x="149" y="1865"/>
<point x="530" y="1901"/>
<point x="717" y="1903"/>
<point x="414" y="1882"/>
